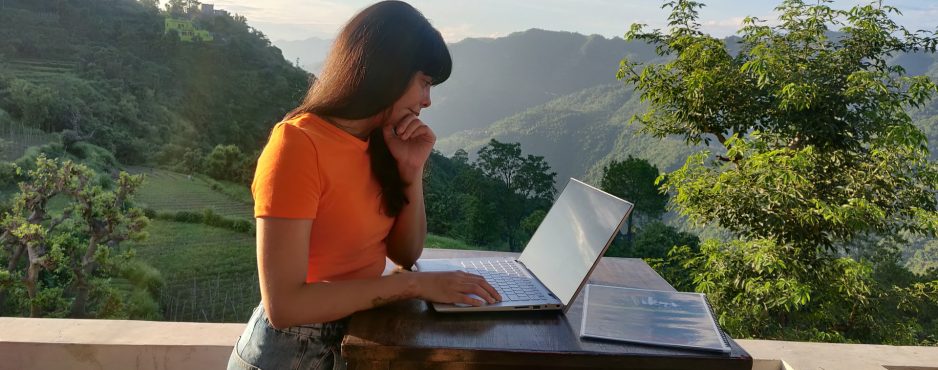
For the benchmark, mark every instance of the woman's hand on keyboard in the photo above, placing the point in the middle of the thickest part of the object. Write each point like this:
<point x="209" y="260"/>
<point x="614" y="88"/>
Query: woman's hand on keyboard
<point x="455" y="287"/>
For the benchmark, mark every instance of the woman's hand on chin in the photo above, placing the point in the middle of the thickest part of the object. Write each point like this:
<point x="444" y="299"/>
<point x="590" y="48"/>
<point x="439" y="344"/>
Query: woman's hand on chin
<point x="410" y="142"/>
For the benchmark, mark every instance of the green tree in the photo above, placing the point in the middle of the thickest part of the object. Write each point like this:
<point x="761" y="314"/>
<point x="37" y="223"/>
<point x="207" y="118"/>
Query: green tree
<point x="926" y="258"/>
<point x="526" y="183"/>
<point x="501" y="161"/>
<point x="224" y="162"/>
<point x="535" y="180"/>
<point x="461" y="156"/>
<point x="634" y="180"/>
<point x="816" y="149"/>
<point x="182" y="7"/>
<point x="150" y="4"/>
<point x="655" y="241"/>
<point x="58" y="263"/>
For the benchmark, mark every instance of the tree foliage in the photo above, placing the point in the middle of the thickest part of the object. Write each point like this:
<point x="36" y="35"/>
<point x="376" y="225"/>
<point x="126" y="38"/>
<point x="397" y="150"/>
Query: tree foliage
<point x="58" y="263"/>
<point x="816" y="150"/>
<point x="497" y="200"/>
<point x="225" y="162"/>
<point x="529" y="177"/>
<point x="634" y="180"/>
<point x="108" y="72"/>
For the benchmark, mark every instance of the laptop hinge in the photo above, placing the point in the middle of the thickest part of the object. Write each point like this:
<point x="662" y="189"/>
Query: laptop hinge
<point x="538" y="280"/>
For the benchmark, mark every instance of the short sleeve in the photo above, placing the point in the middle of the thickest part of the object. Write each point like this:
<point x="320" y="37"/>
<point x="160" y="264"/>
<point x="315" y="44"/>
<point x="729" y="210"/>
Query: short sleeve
<point x="287" y="182"/>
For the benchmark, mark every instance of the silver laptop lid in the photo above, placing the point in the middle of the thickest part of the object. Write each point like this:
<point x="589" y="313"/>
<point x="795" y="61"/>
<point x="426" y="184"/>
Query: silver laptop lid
<point x="568" y="243"/>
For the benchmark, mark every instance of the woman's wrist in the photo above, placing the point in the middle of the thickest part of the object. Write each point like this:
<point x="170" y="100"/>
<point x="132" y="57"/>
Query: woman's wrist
<point x="410" y="285"/>
<point x="411" y="176"/>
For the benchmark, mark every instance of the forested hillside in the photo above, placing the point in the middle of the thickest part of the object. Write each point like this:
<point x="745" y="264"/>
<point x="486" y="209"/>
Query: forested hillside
<point x="106" y="72"/>
<point x="591" y="122"/>
<point x="592" y="125"/>
<point x="88" y="88"/>
<point x="496" y="78"/>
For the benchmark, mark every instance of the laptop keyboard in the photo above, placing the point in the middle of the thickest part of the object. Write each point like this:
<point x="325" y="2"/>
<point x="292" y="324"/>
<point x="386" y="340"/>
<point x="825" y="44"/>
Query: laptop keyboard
<point x="506" y="277"/>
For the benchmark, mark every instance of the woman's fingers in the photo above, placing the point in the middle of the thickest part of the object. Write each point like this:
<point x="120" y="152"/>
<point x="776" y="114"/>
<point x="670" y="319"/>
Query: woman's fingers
<point x="424" y="132"/>
<point x="411" y="127"/>
<point x="484" y="294"/>
<point x="491" y="290"/>
<point x="401" y="127"/>
<point x="488" y="288"/>
<point x="408" y="126"/>
<point x="478" y="286"/>
<point x="464" y="299"/>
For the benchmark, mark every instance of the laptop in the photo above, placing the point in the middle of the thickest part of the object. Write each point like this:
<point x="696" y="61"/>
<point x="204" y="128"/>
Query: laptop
<point x="557" y="260"/>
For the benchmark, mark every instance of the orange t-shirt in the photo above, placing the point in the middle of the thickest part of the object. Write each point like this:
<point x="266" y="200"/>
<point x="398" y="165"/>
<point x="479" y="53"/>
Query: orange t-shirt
<point x="311" y="169"/>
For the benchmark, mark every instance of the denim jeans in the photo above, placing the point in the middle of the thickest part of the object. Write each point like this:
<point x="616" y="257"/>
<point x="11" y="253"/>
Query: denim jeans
<point x="313" y="346"/>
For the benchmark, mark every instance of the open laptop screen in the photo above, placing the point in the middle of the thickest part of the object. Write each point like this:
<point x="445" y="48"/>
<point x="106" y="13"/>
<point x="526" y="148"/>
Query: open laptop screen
<point x="575" y="231"/>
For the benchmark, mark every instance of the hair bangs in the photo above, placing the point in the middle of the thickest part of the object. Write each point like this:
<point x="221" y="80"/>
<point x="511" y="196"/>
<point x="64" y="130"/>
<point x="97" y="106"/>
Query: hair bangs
<point x="436" y="61"/>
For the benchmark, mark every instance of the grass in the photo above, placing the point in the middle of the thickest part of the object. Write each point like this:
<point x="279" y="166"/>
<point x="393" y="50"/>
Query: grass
<point x="38" y="71"/>
<point x="210" y="273"/>
<point x="169" y="191"/>
<point x="437" y="241"/>
<point x="235" y="191"/>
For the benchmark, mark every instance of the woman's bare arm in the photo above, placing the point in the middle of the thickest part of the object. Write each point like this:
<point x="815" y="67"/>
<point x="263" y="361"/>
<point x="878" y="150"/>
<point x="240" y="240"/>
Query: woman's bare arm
<point x="282" y="258"/>
<point x="405" y="242"/>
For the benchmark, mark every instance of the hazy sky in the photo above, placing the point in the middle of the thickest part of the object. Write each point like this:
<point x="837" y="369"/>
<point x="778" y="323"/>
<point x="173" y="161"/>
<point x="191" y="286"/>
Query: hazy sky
<point x="300" y="19"/>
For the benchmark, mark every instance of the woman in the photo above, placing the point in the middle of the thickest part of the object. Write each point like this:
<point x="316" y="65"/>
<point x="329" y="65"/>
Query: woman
<point x="339" y="187"/>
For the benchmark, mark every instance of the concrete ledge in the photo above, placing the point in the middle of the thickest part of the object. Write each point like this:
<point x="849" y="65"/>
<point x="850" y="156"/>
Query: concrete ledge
<point x="114" y="344"/>
<point x="818" y="356"/>
<point x="27" y="344"/>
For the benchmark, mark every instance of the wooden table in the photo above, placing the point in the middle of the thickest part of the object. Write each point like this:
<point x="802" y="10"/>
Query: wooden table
<point x="411" y="335"/>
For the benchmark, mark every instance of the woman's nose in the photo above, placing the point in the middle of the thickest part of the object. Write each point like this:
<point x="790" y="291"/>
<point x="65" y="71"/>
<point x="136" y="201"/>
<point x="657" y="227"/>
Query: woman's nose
<point x="426" y="102"/>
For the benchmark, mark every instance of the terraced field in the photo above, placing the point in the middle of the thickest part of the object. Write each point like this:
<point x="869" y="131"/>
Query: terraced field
<point x="38" y="71"/>
<point x="169" y="191"/>
<point x="42" y="72"/>
<point x="210" y="273"/>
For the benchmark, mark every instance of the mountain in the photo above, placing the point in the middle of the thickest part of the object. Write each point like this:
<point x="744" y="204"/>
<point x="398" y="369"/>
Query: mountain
<point x="578" y="134"/>
<point x="310" y="52"/>
<point x="579" y="131"/>
<point x="495" y="78"/>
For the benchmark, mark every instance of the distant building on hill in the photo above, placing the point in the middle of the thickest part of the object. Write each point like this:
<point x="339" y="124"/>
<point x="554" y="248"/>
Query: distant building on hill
<point x="187" y="32"/>
<point x="208" y="9"/>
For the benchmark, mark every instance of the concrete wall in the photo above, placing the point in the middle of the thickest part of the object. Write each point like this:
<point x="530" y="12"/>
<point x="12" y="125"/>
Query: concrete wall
<point x="114" y="344"/>
<point x="40" y="344"/>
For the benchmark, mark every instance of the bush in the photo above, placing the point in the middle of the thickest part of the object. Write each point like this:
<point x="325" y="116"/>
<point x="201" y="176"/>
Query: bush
<point x="8" y="174"/>
<point x="207" y="217"/>
<point x="226" y="162"/>
<point x="188" y="216"/>
<point x="142" y="275"/>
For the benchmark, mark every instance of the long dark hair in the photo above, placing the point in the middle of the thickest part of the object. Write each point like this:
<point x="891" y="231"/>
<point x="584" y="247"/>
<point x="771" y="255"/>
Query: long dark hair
<point x="369" y="67"/>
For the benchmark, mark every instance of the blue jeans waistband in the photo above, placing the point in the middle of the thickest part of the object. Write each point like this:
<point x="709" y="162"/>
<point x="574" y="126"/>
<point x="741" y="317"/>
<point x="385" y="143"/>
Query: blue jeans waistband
<point x="328" y="332"/>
